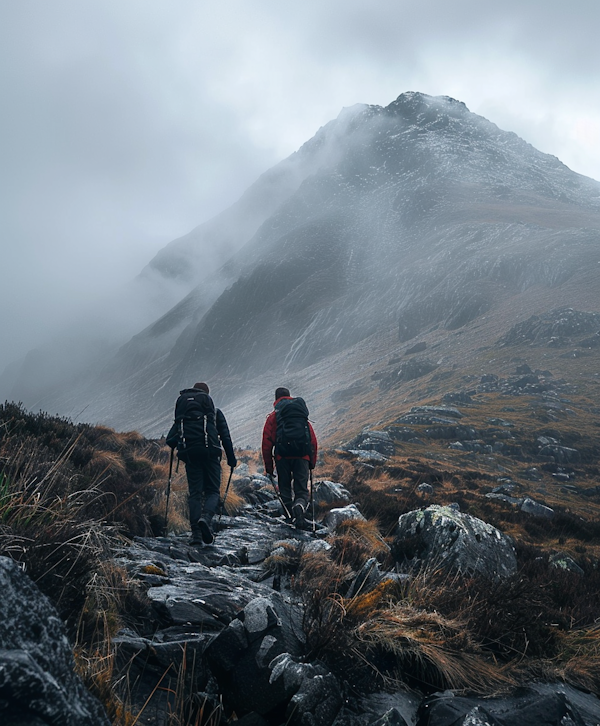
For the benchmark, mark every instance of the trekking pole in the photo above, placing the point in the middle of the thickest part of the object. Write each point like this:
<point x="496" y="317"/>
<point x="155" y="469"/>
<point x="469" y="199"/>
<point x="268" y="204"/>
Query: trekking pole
<point x="225" y="497"/>
<point x="312" y="503"/>
<point x="274" y="483"/>
<point x="169" y="488"/>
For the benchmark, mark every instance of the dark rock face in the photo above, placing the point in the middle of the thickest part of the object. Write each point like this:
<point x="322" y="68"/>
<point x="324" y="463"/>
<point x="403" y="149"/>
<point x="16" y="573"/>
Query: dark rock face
<point x="37" y="680"/>
<point x="539" y="704"/>
<point x="443" y="537"/>
<point x="556" y="328"/>
<point x="372" y="440"/>
<point x="241" y="655"/>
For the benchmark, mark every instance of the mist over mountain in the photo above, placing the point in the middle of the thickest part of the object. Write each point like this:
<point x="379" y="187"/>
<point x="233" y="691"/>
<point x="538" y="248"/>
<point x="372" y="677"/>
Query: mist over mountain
<point x="415" y="220"/>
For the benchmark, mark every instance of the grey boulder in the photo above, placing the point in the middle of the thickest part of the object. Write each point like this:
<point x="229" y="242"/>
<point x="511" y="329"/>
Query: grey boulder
<point x="327" y="492"/>
<point x="336" y="516"/>
<point x="444" y="537"/>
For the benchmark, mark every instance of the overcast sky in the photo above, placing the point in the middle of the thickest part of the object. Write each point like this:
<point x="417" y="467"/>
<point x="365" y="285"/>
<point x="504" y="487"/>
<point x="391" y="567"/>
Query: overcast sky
<point x="125" y="123"/>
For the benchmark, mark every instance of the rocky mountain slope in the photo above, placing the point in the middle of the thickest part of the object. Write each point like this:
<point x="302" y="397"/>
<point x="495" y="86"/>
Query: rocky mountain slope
<point x="417" y="222"/>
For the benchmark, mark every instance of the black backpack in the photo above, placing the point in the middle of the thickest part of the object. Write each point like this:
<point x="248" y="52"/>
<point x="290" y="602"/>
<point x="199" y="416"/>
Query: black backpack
<point x="293" y="434"/>
<point x="195" y="421"/>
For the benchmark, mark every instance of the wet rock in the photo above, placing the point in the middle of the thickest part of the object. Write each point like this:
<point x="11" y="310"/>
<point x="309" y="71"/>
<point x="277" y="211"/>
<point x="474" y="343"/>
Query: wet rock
<point x="371" y="440"/>
<point x="452" y="432"/>
<point x="370" y="709"/>
<point x="547" y="441"/>
<point x="498" y="496"/>
<point x="563" y="561"/>
<point x="403" y="434"/>
<point x="530" y="506"/>
<point x="38" y="684"/>
<point x="537" y="704"/>
<point x="368" y="577"/>
<point x="242" y="470"/>
<point x="142" y="664"/>
<point x="335" y="517"/>
<point x="329" y="491"/>
<point x="523" y="370"/>
<point x="314" y="694"/>
<point x="442" y="537"/>
<point x="240" y="656"/>
<point x="592" y="342"/>
<point x="500" y="422"/>
<point x="393" y="717"/>
<point x="561" y="454"/>
<point x="424" y="419"/>
<point x="409" y="371"/>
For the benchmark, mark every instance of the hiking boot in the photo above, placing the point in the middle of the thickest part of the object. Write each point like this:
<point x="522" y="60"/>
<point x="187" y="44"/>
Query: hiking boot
<point x="206" y="532"/>
<point x="298" y="515"/>
<point x="196" y="538"/>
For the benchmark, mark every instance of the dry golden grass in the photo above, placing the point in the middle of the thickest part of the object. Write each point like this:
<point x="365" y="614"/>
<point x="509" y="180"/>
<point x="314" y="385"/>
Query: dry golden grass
<point x="107" y="463"/>
<point x="234" y="502"/>
<point x="365" y="531"/>
<point x="439" y="651"/>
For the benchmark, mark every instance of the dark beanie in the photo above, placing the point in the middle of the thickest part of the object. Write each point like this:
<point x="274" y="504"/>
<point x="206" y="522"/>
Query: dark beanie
<point x="280" y="392"/>
<point x="201" y="387"/>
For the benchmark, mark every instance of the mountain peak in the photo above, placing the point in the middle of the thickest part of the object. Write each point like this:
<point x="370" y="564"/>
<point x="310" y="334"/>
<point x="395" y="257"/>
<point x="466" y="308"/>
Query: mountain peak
<point x="412" y="103"/>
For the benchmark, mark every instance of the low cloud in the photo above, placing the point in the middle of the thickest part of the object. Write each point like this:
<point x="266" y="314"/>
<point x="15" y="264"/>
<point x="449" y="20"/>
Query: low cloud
<point x="127" y="124"/>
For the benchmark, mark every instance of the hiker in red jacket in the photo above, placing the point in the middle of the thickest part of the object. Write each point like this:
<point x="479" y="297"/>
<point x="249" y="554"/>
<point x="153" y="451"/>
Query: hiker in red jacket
<point x="288" y="431"/>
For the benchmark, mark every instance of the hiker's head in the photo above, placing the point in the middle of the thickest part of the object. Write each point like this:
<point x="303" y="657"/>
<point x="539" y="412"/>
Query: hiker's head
<point x="201" y="387"/>
<point x="280" y="392"/>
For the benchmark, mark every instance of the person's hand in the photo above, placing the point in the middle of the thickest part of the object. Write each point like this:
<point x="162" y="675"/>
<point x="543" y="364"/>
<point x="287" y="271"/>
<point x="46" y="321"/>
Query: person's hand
<point x="232" y="463"/>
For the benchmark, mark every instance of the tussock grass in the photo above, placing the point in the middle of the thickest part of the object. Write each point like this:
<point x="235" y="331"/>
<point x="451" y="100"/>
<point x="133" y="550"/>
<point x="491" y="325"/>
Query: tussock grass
<point x="435" y="651"/>
<point x="285" y="559"/>
<point x="367" y="533"/>
<point x="384" y="637"/>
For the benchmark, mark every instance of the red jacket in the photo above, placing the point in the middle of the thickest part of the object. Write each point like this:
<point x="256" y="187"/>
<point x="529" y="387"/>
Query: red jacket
<point x="269" y="437"/>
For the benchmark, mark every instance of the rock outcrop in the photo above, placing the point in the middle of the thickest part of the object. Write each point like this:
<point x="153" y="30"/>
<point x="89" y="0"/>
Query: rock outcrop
<point x="38" y="684"/>
<point x="445" y="537"/>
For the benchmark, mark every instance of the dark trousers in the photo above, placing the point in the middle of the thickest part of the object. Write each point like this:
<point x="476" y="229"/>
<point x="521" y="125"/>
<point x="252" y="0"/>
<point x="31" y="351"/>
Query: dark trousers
<point x="204" y="482"/>
<point x="293" y="472"/>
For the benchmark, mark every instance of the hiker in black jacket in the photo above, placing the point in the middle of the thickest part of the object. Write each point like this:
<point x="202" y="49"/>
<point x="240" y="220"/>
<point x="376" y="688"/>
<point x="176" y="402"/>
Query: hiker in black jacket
<point x="198" y="432"/>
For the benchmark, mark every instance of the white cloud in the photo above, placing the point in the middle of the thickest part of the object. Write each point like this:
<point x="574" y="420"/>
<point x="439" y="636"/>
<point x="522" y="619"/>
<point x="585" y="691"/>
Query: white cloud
<point x="126" y="124"/>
